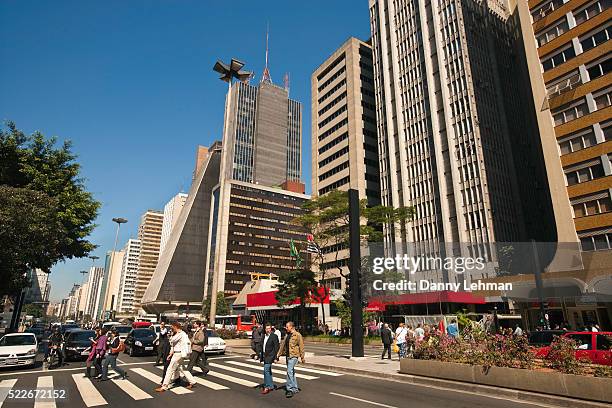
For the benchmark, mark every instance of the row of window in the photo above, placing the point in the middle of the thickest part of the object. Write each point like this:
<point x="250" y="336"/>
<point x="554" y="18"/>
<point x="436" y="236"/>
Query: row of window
<point x="333" y="143"/>
<point x="574" y="79"/>
<point x="598" y="242"/>
<point x="334" y="156"/>
<point x="333" y="116"/>
<point x="333" y="129"/>
<point x="331" y="79"/>
<point x="334" y="186"/>
<point x="569" y="52"/>
<point x="584" y="174"/>
<point x="580" y="16"/>
<point x="336" y="100"/>
<point x="593" y="207"/>
<point x="332" y="91"/>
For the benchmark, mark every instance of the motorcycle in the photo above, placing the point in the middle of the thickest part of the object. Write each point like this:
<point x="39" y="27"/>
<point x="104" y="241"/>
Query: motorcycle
<point x="53" y="356"/>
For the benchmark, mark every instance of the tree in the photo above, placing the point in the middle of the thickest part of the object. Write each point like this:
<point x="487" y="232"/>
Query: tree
<point x="326" y="217"/>
<point x="46" y="214"/>
<point x="223" y="307"/>
<point x="296" y="284"/>
<point x="33" y="310"/>
<point x="344" y="313"/>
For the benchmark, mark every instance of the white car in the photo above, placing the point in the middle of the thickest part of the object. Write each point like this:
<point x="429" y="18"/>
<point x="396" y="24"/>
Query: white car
<point x="215" y="343"/>
<point x="18" y="349"/>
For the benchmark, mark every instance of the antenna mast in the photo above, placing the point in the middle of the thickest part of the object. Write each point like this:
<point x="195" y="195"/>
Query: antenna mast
<point x="266" y="72"/>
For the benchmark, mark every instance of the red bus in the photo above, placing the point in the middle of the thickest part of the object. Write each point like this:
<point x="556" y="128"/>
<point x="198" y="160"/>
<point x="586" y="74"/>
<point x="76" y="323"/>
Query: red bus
<point x="243" y="323"/>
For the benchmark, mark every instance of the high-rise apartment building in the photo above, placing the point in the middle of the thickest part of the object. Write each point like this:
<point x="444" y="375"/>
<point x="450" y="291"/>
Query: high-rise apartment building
<point x="149" y="235"/>
<point x="172" y="210"/>
<point x="93" y="294"/>
<point x="456" y="129"/>
<point x="110" y="287"/>
<point x="344" y="141"/>
<point x="129" y="272"/>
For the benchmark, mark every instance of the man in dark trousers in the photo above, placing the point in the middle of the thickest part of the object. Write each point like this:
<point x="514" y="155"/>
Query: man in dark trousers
<point x="257" y="336"/>
<point x="387" y="338"/>
<point x="269" y="350"/>
<point x="198" y="341"/>
<point x="162" y="344"/>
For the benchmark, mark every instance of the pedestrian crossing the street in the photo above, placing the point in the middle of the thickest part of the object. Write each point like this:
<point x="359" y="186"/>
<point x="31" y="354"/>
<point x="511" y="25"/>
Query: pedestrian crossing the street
<point x="233" y="374"/>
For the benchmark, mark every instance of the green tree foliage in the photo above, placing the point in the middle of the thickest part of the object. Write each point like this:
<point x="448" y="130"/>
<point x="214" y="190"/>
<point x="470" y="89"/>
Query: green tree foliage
<point x="299" y="283"/>
<point x="223" y="307"/>
<point x="33" y="310"/>
<point x="46" y="214"/>
<point x="344" y="313"/>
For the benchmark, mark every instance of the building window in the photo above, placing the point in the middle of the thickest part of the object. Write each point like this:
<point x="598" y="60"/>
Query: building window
<point x="567" y="113"/>
<point x="607" y="130"/>
<point x="584" y="172"/>
<point x="592" y="204"/>
<point x="596" y="39"/>
<point x="589" y="11"/>
<point x="602" y="99"/>
<point x="600" y="68"/>
<point x="596" y="240"/>
<point x="552" y="33"/>
<point x="559" y="58"/>
<point x="564" y="84"/>
<point x="545" y="9"/>
<point x="576" y="142"/>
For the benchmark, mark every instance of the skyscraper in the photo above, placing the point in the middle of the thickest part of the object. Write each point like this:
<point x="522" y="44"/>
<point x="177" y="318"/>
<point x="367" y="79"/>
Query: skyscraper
<point x="456" y="129"/>
<point x="344" y="142"/>
<point x="172" y="210"/>
<point x="112" y="280"/>
<point x="93" y="294"/>
<point x="129" y="272"/>
<point x="149" y="235"/>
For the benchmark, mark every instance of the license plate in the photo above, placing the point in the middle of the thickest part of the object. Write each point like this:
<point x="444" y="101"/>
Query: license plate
<point x="148" y="348"/>
<point x="11" y="361"/>
<point x="85" y="352"/>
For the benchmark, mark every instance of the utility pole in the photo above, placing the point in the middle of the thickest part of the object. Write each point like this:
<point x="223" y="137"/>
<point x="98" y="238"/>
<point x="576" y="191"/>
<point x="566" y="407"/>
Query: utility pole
<point x="354" y="270"/>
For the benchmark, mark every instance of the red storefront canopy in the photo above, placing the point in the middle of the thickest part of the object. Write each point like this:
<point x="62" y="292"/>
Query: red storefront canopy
<point x="379" y="303"/>
<point x="267" y="299"/>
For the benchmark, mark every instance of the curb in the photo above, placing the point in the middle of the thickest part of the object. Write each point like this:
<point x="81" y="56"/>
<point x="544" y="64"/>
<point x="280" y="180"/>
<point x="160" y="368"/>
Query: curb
<point x="458" y="386"/>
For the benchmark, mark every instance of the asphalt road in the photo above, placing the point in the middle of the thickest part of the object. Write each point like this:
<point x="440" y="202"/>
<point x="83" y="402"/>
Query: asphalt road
<point x="230" y="384"/>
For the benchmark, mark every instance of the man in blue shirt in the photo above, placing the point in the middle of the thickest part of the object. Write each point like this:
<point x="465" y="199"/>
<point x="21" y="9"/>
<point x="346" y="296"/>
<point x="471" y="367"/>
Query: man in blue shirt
<point x="452" y="329"/>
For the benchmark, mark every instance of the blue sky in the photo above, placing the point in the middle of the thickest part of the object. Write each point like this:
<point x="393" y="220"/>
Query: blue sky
<point x="130" y="83"/>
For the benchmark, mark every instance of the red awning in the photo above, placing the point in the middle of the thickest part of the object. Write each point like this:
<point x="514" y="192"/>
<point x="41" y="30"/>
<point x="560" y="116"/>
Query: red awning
<point x="429" y="297"/>
<point x="264" y="299"/>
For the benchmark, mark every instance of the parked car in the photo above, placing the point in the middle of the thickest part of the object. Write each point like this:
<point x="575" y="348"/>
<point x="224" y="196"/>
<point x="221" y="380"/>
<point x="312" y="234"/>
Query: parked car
<point x="39" y="332"/>
<point x="140" y="341"/>
<point x="18" y="349"/>
<point x="69" y="327"/>
<point x="216" y="345"/>
<point x="593" y="346"/>
<point x="78" y="344"/>
<point x="109" y="325"/>
<point x="542" y="338"/>
<point x="122" y="331"/>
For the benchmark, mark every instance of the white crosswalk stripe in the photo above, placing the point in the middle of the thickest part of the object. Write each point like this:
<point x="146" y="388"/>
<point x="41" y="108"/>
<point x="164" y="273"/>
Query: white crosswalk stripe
<point x="310" y="370"/>
<point x="44" y="383"/>
<point x="260" y="366"/>
<point x="5" y="387"/>
<point x="157" y="379"/>
<point x="90" y="395"/>
<point x="206" y="383"/>
<point x="229" y="378"/>
<point x="131" y="389"/>
<point x="244" y="372"/>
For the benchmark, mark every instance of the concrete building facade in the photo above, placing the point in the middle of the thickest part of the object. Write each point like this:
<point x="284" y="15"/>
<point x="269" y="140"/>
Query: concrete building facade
<point x="344" y="140"/>
<point x="129" y="272"/>
<point x="112" y="280"/>
<point x="172" y="210"/>
<point x="149" y="235"/>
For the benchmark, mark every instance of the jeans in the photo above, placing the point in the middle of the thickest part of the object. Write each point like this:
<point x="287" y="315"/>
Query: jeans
<point x="291" y="385"/>
<point x="268" y="381"/>
<point x="403" y="349"/>
<point x="197" y="358"/>
<point x="111" y="359"/>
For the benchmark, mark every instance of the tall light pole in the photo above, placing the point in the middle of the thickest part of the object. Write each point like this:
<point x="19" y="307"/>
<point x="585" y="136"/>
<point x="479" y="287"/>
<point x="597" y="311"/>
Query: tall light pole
<point x="228" y="73"/>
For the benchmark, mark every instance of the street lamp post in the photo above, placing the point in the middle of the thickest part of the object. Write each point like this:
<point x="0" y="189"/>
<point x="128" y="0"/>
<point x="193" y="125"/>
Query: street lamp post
<point x="228" y="73"/>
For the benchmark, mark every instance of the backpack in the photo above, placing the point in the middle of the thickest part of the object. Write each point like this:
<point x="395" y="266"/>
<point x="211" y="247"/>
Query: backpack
<point x="119" y="349"/>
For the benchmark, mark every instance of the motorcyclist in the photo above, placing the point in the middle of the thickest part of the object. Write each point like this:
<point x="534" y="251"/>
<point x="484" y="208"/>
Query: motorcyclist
<point x="57" y="340"/>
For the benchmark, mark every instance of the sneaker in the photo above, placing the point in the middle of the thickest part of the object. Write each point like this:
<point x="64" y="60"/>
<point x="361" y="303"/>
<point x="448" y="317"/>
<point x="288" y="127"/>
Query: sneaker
<point x="288" y="394"/>
<point x="160" y="389"/>
<point x="266" y="391"/>
<point x="190" y="386"/>
<point x="124" y="376"/>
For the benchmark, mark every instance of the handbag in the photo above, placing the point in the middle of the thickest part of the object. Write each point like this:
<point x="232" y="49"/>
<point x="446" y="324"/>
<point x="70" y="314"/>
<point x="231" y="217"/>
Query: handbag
<point x="395" y="347"/>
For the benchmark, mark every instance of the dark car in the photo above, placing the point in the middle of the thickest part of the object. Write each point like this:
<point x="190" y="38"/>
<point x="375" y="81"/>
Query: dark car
<point x="122" y="330"/>
<point x="39" y="332"/>
<point x="543" y="338"/>
<point x="140" y="341"/>
<point x="69" y="327"/>
<point x="78" y="344"/>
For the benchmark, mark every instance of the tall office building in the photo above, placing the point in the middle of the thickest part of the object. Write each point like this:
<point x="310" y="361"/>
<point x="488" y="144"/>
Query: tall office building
<point x="38" y="292"/>
<point x="110" y="287"/>
<point x="456" y="128"/>
<point x="172" y="210"/>
<point x="149" y="235"/>
<point x="344" y="142"/>
<point x="129" y="272"/>
<point x="95" y="279"/>
<point x="568" y="57"/>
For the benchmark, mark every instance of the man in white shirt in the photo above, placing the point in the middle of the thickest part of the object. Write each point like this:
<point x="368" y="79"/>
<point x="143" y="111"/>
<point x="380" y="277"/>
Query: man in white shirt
<point x="179" y="348"/>
<point x="419" y="333"/>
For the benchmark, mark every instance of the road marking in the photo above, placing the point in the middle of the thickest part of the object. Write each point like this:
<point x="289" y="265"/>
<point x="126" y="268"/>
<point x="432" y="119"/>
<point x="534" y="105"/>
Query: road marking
<point x="158" y="380"/>
<point x="310" y="370"/>
<point x="207" y="383"/>
<point x="130" y="389"/>
<point x="89" y="393"/>
<point x="362" y="400"/>
<point x="44" y="383"/>
<point x="5" y="387"/>
<point x="260" y="366"/>
<point x="229" y="378"/>
<point x="56" y="370"/>
<point x="244" y="372"/>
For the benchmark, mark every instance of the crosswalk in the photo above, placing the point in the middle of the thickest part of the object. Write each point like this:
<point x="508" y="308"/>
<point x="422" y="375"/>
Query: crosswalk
<point x="142" y="380"/>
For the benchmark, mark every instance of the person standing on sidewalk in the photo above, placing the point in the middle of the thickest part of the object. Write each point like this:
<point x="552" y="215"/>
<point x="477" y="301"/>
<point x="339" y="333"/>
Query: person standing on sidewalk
<point x="400" y="339"/>
<point x="387" y="338"/>
<point x="179" y="349"/>
<point x="162" y="344"/>
<point x="292" y="348"/>
<point x="269" y="351"/>
<point x="257" y="340"/>
<point x="198" y="341"/>
<point x="115" y="346"/>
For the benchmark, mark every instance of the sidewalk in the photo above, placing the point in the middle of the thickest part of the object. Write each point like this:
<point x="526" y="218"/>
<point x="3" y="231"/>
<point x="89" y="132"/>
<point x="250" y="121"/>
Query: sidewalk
<point x="376" y="368"/>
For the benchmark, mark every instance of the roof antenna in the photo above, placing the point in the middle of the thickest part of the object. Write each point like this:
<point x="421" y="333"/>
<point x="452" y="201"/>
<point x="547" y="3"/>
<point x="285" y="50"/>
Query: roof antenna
<point x="266" y="72"/>
<point x="286" y="82"/>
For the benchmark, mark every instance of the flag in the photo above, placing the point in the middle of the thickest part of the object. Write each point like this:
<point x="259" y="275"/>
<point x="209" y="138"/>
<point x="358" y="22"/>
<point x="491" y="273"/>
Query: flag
<point x="312" y="246"/>
<point x="294" y="253"/>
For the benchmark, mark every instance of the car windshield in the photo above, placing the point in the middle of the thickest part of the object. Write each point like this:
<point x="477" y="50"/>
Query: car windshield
<point x="81" y="335"/>
<point x="144" y="333"/>
<point x="123" y="329"/>
<point x="211" y="333"/>
<point x="18" y="341"/>
<point x="68" y="327"/>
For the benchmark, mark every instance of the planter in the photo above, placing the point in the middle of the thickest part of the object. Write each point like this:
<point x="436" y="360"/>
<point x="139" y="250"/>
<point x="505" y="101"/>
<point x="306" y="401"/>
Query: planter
<point x="554" y="383"/>
<point x="340" y="340"/>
